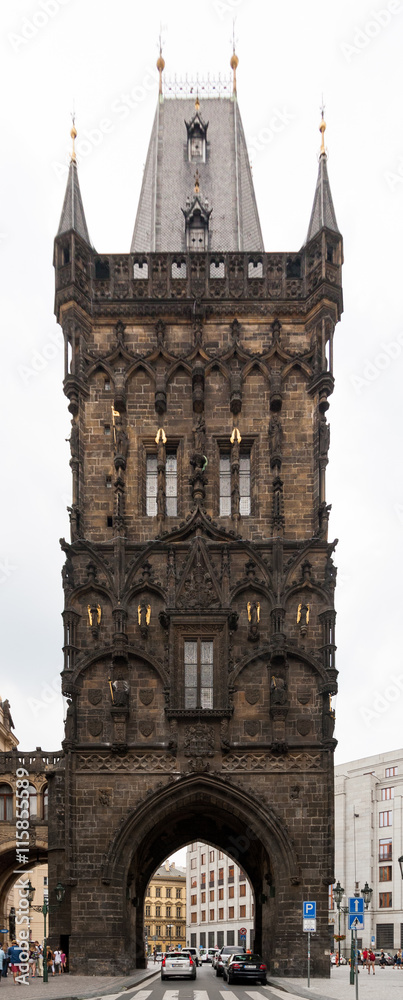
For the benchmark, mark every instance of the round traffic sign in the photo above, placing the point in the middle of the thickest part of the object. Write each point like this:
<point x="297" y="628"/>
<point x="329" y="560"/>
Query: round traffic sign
<point x="242" y="930"/>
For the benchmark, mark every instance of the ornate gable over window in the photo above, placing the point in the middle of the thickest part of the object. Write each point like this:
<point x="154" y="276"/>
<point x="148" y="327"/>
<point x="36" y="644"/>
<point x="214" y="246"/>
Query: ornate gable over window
<point x="197" y="136"/>
<point x="197" y="217"/>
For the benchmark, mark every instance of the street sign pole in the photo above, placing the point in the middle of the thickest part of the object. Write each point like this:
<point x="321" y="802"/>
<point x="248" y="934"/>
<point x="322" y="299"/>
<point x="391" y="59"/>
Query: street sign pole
<point x="352" y="959"/>
<point x="309" y="959"/>
<point x="356" y="963"/>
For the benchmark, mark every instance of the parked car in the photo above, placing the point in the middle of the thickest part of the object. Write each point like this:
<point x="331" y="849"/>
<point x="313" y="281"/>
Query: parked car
<point x="223" y="955"/>
<point x="334" y="959"/>
<point x="210" y="954"/>
<point x="178" y="964"/>
<point x="194" y="953"/>
<point x="245" y="966"/>
<point x="388" y="958"/>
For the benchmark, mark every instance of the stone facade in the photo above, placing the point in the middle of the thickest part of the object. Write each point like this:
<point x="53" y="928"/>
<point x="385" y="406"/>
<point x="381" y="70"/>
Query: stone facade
<point x="199" y="444"/>
<point x="165" y="909"/>
<point x="220" y="900"/>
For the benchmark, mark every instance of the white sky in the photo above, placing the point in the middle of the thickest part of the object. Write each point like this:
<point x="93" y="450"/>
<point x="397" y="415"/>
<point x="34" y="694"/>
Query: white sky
<point x="94" y="53"/>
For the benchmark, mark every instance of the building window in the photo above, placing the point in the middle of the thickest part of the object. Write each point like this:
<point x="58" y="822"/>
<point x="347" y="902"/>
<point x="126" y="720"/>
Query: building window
<point x="230" y="912"/>
<point x="212" y="896"/>
<point x="158" y="890"/>
<point x="203" y="897"/>
<point x="221" y="893"/>
<point x="178" y="893"/>
<point x="221" y="913"/>
<point x="171" y="484"/>
<point x="385" y="850"/>
<point x="147" y="931"/>
<point x="220" y="855"/>
<point x="168" y="911"/>
<point x="178" y="931"/>
<point x="193" y="883"/>
<point x="385" y="818"/>
<point x="148" y="911"/>
<point x="231" y="891"/>
<point x="242" y="890"/>
<point x="390" y="772"/>
<point x="203" y="916"/>
<point x="203" y="878"/>
<point x="197" y="238"/>
<point x="244" y="484"/>
<point x="230" y="938"/>
<point x="151" y="485"/>
<point x="158" y="930"/>
<point x="6" y="802"/>
<point x="242" y="876"/>
<point x="220" y="875"/>
<point x="387" y="793"/>
<point x="193" y="918"/>
<point x="211" y="878"/>
<point x="198" y="675"/>
<point x="178" y="912"/>
<point x="157" y="911"/>
<point x="211" y="914"/>
<point x="193" y="900"/>
<point x="225" y="486"/>
<point x="384" y="935"/>
<point x="193" y="863"/>
<point x="242" y="911"/>
<point x="211" y="857"/>
<point x="231" y="873"/>
<point x="196" y="148"/>
<point x="385" y="873"/>
<point x="385" y="899"/>
<point x="168" y="893"/>
<point x="33" y="806"/>
<point x="203" y="859"/>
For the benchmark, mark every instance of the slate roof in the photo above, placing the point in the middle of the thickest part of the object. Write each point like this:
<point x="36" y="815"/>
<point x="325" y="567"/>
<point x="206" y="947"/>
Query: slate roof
<point x="225" y="180"/>
<point x="73" y="216"/>
<point x="323" y="213"/>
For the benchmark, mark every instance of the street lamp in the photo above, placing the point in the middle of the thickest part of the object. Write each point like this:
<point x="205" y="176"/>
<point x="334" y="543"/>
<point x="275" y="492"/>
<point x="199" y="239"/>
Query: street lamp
<point x="366" y="892"/>
<point x="45" y="909"/>
<point x="338" y="893"/>
<point x="401" y="865"/>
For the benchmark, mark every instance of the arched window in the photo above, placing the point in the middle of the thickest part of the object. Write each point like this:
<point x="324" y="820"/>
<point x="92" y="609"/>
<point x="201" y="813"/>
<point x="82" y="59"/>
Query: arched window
<point x="45" y="802"/>
<point x="33" y="804"/>
<point x="6" y="802"/>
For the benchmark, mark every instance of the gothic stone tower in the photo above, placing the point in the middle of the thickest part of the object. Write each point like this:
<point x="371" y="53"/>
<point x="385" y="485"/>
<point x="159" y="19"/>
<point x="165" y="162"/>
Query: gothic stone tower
<point x="199" y="619"/>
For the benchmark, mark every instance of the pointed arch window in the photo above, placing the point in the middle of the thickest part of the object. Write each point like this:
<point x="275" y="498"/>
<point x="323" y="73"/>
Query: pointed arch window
<point x="6" y="802"/>
<point x="199" y="673"/>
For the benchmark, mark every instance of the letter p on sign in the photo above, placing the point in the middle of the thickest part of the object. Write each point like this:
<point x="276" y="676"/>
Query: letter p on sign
<point x="309" y="910"/>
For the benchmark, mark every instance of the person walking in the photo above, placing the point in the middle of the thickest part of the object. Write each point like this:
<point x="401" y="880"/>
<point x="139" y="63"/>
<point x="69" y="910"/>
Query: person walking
<point x="14" y="954"/>
<point x="5" y="960"/>
<point x="371" y="964"/>
<point x="365" y="956"/>
<point x="39" y="959"/>
<point x="57" y="962"/>
<point x="2" y="957"/>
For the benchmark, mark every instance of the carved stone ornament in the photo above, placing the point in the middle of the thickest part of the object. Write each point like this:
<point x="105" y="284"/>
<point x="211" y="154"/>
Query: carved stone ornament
<point x="104" y="796"/>
<point x="95" y="727"/>
<point x="146" y="728"/>
<point x="198" y="765"/>
<point x="303" y="695"/>
<point x="199" y="741"/>
<point x="95" y="696"/>
<point x="252" y="695"/>
<point x="251" y="727"/>
<point x="304" y="726"/>
<point x="146" y="695"/>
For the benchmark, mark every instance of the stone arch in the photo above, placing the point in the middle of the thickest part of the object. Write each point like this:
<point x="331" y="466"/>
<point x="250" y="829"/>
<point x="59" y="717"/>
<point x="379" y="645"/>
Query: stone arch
<point x="200" y="807"/>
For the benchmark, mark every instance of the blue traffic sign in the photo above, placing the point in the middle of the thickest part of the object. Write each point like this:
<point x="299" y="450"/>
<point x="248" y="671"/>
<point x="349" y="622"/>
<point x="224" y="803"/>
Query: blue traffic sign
<point x="356" y="920"/>
<point x="356" y="905"/>
<point x="309" y="910"/>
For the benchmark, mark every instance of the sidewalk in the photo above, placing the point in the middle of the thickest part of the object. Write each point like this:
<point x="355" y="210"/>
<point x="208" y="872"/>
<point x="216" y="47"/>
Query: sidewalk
<point x="67" y="987"/>
<point x="384" y="985"/>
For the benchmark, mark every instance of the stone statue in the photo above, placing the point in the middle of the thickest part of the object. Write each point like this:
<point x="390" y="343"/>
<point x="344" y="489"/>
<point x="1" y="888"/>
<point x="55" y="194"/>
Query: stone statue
<point x="121" y="691"/>
<point x="324" y="437"/>
<point x="278" y="690"/>
<point x="275" y="435"/>
<point x="74" y="439"/>
<point x="70" y="723"/>
<point x="8" y="722"/>
<point x="199" y="432"/>
<point x="122" y="440"/>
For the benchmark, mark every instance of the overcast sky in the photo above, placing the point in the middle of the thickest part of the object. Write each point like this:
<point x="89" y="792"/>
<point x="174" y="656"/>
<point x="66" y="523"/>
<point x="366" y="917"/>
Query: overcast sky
<point x="100" y="58"/>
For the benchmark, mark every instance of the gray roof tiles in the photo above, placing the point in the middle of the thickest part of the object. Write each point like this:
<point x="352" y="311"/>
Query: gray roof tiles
<point x="323" y="214"/>
<point x="73" y="216"/>
<point x="225" y="180"/>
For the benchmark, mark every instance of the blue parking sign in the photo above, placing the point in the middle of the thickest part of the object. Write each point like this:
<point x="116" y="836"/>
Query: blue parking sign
<point x="309" y="910"/>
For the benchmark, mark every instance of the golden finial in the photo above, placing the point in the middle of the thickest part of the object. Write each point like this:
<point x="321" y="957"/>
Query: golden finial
<point x="322" y="129"/>
<point x="234" y="61"/>
<point x="197" y="182"/>
<point x="197" y="103"/>
<point x="73" y="134"/>
<point x="160" y="67"/>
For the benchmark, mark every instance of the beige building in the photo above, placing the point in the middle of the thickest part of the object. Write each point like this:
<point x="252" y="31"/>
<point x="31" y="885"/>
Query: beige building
<point x="220" y="900"/>
<point x="369" y="843"/>
<point x="165" y="909"/>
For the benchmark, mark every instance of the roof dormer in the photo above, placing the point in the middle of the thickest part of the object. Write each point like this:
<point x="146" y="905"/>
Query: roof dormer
<point x="197" y="217"/>
<point x="197" y="136"/>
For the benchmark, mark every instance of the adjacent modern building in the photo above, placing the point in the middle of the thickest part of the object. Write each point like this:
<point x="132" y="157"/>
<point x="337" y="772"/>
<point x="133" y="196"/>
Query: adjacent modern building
<point x="220" y="908"/>
<point x="369" y="843"/>
<point x="165" y="909"/>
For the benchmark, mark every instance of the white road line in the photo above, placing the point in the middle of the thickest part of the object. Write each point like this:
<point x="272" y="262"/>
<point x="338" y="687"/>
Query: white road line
<point x="140" y="994"/>
<point x="171" y="995"/>
<point x="200" y="995"/>
<point x="273" y="990"/>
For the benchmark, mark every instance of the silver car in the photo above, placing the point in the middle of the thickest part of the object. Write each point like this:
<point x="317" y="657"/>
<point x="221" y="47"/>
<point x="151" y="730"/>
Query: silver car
<point x="178" y="964"/>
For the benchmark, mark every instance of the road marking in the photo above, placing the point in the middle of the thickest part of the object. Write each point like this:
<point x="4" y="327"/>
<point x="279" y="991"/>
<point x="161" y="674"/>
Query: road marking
<point x="272" y="990"/>
<point x="171" y="995"/>
<point x="200" y="995"/>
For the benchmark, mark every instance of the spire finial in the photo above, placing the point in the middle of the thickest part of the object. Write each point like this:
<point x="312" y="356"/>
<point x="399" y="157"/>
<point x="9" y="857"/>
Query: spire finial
<point x="197" y="103"/>
<point x="160" y="66"/>
<point x="73" y="134"/>
<point x="322" y="129"/>
<point x="197" y="182"/>
<point x="234" y="59"/>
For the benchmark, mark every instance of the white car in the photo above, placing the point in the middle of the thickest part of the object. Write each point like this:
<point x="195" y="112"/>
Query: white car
<point x="178" y="964"/>
<point x="209" y="955"/>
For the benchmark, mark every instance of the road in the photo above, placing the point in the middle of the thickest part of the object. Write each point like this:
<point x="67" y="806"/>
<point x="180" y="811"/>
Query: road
<point x="207" y="986"/>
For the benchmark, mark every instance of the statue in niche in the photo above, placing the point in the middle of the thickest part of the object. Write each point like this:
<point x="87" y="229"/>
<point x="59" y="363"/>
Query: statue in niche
<point x="199" y="436"/>
<point x="253" y="608"/>
<point x="8" y="722"/>
<point x="144" y="617"/>
<point x="121" y="439"/>
<point x="324" y="437"/>
<point x="70" y="723"/>
<point x="275" y="436"/>
<point x="278" y="690"/>
<point x="329" y="719"/>
<point x="120" y="691"/>
<point x="74" y="439"/>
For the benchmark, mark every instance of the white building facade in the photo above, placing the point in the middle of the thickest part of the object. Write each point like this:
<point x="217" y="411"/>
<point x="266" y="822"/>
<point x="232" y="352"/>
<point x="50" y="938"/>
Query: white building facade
<point x="369" y="843"/>
<point x="220" y="902"/>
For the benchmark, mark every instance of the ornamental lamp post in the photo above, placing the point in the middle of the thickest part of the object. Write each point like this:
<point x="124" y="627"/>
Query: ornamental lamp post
<point x="401" y="865"/>
<point x="366" y="892"/>
<point x="45" y="909"/>
<point x="338" y="893"/>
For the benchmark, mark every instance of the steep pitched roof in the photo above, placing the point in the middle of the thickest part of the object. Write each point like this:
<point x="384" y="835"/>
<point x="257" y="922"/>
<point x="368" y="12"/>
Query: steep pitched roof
<point x="73" y="216"/>
<point x="225" y="180"/>
<point x="323" y="214"/>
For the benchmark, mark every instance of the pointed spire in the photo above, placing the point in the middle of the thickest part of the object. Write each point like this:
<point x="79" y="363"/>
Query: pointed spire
<point x="160" y="68"/>
<point x="323" y="214"/>
<point x="234" y="61"/>
<point x="73" y="216"/>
